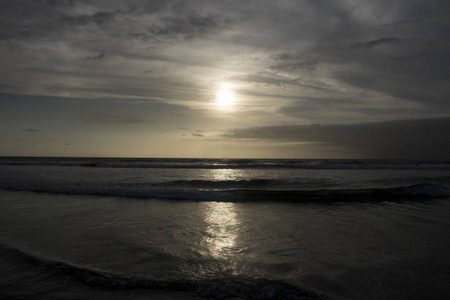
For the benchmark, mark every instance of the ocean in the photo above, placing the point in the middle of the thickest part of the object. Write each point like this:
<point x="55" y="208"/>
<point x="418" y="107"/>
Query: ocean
<point x="114" y="228"/>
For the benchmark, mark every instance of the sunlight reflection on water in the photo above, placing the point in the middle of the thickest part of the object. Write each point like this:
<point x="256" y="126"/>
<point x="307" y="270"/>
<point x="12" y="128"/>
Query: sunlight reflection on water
<point x="222" y="229"/>
<point x="224" y="174"/>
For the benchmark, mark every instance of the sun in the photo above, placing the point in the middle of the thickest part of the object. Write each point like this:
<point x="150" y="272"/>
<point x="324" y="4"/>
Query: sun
<point x="225" y="98"/>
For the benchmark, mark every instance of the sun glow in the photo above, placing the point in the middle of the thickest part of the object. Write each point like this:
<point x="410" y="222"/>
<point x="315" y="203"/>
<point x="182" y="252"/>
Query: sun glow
<point x="225" y="98"/>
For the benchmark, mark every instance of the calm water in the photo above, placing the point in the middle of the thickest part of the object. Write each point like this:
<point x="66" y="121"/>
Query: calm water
<point x="242" y="229"/>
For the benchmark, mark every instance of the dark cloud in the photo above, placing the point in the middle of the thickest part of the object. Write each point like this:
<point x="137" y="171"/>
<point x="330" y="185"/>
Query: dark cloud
<point x="101" y="18"/>
<point x="197" y="135"/>
<point x="60" y="39"/>
<point x="432" y="91"/>
<point x="189" y="27"/>
<point x="354" y="109"/>
<point x="404" y="22"/>
<point x="57" y="3"/>
<point x="271" y="78"/>
<point x="377" y="42"/>
<point x="76" y="21"/>
<point x="100" y="56"/>
<point x="419" y="138"/>
<point x="31" y="130"/>
<point x="288" y="62"/>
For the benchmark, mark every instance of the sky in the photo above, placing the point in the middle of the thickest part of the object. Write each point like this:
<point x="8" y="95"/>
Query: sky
<point x="225" y="79"/>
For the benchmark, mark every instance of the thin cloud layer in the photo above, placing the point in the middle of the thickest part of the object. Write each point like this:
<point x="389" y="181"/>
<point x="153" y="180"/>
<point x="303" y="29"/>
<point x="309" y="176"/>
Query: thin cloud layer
<point x="396" y="49"/>
<point x="109" y="118"/>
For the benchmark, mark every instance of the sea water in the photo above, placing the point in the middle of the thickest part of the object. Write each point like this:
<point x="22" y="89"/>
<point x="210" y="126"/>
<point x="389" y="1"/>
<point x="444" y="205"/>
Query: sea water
<point x="107" y="228"/>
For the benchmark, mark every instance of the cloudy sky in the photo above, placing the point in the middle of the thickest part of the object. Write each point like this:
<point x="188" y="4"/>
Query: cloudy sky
<point x="237" y="78"/>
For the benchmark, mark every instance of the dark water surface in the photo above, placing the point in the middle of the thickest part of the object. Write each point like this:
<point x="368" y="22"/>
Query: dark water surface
<point x="242" y="229"/>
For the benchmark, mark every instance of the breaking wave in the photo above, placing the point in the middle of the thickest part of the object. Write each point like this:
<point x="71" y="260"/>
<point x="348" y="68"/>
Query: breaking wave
<point x="217" y="287"/>
<point x="225" y="193"/>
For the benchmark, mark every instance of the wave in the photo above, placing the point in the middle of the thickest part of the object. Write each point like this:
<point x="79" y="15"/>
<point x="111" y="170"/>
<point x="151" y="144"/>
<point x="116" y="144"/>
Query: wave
<point x="220" y="184"/>
<point x="214" y="287"/>
<point x="173" y="163"/>
<point x="370" y="194"/>
<point x="422" y="191"/>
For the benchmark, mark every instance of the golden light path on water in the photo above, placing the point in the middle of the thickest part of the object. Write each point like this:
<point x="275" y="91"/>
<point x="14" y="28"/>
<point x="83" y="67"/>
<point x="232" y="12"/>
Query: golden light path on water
<point x="221" y="231"/>
<point x="222" y="222"/>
